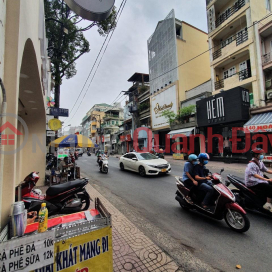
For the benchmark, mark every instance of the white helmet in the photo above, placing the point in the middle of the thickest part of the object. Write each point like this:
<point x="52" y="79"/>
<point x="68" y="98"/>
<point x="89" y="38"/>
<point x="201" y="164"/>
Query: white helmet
<point x="37" y="191"/>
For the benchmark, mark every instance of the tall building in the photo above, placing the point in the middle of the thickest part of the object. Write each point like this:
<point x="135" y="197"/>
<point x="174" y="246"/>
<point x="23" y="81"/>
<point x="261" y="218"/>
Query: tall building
<point x="113" y="118"/>
<point x="234" y="59"/>
<point x="237" y="73"/>
<point x="172" y="44"/>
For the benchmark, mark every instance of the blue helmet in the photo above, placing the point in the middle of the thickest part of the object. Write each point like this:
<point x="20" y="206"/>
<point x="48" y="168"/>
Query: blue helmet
<point x="203" y="156"/>
<point x="192" y="157"/>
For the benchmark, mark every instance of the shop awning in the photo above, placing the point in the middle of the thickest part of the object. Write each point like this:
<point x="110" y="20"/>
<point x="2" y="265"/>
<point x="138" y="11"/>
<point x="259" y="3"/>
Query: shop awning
<point x="186" y="131"/>
<point x="260" y="123"/>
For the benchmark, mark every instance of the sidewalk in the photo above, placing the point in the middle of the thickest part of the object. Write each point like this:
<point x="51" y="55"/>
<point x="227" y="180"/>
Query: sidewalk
<point x="132" y="250"/>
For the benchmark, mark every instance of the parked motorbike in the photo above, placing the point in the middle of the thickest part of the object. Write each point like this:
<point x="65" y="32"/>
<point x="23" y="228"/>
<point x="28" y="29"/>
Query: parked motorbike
<point x="69" y="197"/>
<point x="89" y="153"/>
<point x="245" y="196"/>
<point x="104" y="168"/>
<point x="225" y="203"/>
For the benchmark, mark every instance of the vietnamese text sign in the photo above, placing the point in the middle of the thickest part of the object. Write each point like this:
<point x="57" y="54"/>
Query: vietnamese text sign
<point x="27" y="253"/>
<point x="59" y="112"/>
<point x="88" y="252"/>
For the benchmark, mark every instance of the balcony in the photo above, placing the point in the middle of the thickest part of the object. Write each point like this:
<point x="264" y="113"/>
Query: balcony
<point x="266" y="58"/>
<point x="244" y="74"/>
<point x="225" y="45"/>
<point x="111" y="116"/>
<point x="229" y="12"/>
<point x="219" y="84"/>
<point x="234" y="80"/>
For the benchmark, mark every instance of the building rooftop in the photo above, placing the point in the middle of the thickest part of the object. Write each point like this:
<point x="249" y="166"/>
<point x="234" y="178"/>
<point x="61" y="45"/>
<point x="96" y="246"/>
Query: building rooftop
<point x="139" y="77"/>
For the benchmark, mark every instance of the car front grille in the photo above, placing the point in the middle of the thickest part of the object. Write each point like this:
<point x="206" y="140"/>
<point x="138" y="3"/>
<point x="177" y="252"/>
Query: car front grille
<point x="162" y="166"/>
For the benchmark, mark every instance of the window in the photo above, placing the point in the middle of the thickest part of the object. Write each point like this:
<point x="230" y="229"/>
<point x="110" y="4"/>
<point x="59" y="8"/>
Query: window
<point x="232" y="71"/>
<point x="112" y="122"/>
<point x="268" y="5"/>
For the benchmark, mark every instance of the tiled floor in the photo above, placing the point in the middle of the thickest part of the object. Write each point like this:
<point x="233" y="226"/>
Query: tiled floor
<point x="132" y="250"/>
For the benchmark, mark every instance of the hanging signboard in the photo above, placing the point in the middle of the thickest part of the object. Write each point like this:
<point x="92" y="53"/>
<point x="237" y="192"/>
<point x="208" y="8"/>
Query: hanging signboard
<point x="114" y="141"/>
<point x="59" y="112"/>
<point x="88" y="252"/>
<point x="27" y="253"/>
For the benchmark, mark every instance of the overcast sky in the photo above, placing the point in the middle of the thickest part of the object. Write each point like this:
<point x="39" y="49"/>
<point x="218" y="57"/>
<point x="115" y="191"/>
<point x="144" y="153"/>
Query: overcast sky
<point x="126" y="53"/>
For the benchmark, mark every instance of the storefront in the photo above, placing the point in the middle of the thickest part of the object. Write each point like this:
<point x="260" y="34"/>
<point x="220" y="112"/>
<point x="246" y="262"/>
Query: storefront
<point x="260" y="127"/>
<point x="217" y="116"/>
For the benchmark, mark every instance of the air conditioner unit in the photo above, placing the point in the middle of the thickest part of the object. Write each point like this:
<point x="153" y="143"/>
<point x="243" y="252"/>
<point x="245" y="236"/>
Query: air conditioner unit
<point x="268" y="84"/>
<point x="269" y="94"/>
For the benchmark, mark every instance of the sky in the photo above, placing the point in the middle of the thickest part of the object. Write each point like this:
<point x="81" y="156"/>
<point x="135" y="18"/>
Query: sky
<point x="125" y="55"/>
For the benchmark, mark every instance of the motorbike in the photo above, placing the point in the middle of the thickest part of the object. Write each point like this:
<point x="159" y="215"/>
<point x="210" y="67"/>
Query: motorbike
<point x="104" y="168"/>
<point x="69" y="197"/>
<point x="245" y="196"/>
<point x="225" y="203"/>
<point x="89" y="153"/>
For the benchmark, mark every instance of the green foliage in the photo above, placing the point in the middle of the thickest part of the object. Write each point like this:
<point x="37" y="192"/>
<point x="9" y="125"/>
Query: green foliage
<point x="66" y="48"/>
<point x="185" y="112"/>
<point x="169" y="115"/>
<point x="143" y="106"/>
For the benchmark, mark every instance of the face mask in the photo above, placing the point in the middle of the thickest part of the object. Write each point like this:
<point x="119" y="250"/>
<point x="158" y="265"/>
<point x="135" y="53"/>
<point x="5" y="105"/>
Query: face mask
<point x="195" y="162"/>
<point x="205" y="162"/>
<point x="261" y="157"/>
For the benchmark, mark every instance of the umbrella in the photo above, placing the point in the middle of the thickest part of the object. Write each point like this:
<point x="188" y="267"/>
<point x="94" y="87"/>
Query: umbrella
<point x="72" y="140"/>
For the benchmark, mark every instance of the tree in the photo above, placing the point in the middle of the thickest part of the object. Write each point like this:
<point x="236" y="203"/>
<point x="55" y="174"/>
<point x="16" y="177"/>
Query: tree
<point x="66" y="40"/>
<point x="169" y="115"/>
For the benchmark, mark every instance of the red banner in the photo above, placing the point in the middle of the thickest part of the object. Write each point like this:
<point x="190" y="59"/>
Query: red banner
<point x="122" y="138"/>
<point x="102" y="138"/>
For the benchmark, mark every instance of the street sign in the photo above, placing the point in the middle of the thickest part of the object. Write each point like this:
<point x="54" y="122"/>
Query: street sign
<point x="59" y="112"/>
<point x="54" y="124"/>
<point x="50" y="133"/>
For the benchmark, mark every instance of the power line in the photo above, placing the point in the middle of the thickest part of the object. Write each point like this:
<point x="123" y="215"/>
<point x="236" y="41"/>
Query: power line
<point x="95" y="61"/>
<point x="121" y="10"/>
<point x="205" y="51"/>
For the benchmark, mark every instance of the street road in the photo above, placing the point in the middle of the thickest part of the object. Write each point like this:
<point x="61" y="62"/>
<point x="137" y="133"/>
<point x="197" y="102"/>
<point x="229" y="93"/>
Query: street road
<point x="210" y="240"/>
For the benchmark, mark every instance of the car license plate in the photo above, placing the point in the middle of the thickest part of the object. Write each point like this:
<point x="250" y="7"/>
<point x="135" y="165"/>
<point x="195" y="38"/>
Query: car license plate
<point x="164" y="170"/>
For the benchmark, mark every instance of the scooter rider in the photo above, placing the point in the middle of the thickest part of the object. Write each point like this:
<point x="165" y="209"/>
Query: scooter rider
<point x="188" y="176"/>
<point x="255" y="179"/>
<point x="204" y="182"/>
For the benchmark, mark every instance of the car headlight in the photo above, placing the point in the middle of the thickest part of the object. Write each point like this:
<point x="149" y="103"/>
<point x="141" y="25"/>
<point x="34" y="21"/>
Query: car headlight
<point x="153" y="166"/>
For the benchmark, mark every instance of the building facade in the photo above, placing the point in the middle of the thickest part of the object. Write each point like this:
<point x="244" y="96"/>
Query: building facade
<point x="173" y="44"/>
<point x="25" y="72"/>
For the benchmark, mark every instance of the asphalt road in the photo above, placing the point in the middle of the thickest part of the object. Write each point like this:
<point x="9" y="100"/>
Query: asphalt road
<point x="210" y="240"/>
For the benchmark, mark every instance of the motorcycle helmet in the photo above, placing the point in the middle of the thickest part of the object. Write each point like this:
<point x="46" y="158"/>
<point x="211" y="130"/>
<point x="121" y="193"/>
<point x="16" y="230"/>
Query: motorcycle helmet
<point x="192" y="157"/>
<point x="37" y="191"/>
<point x="203" y="156"/>
<point x="257" y="151"/>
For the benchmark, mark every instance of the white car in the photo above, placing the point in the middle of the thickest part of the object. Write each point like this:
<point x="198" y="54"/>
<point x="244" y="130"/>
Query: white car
<point x="144" y="164"/>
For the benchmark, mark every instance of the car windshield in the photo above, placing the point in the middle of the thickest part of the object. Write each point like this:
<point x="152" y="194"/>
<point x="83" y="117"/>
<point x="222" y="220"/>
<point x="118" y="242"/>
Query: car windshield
<point x="146" y="156"/>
